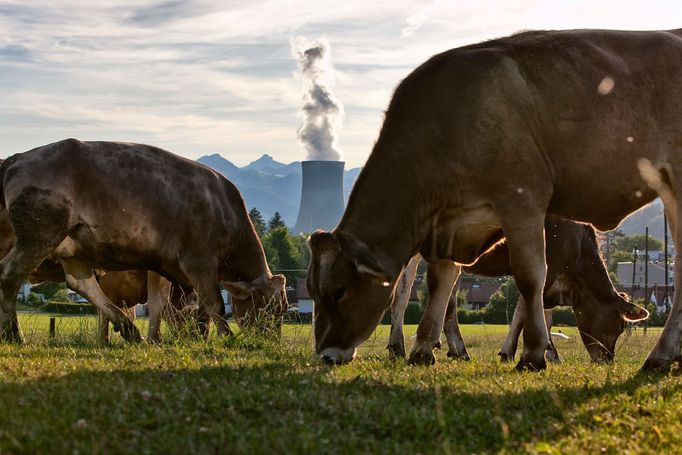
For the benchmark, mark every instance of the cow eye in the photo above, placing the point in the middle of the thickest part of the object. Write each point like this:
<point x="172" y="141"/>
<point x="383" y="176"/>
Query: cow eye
<point x="338" y="294"/>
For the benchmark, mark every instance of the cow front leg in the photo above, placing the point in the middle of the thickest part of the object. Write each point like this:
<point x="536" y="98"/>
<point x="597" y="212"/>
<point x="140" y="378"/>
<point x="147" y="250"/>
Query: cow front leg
<point x="81" y="279"/>
<point x="508" y="350"/>
<point x="211" y="305"/>
<point x="396" y="340"/>
<point x="456" y="347"/>
<point x="440" y="279"/>
<point x="526" y="240"/>
<point x="102" y="327"/>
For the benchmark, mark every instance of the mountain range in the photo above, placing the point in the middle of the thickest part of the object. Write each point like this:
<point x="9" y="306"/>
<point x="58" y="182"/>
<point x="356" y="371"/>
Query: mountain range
<point x="271" y="187"/>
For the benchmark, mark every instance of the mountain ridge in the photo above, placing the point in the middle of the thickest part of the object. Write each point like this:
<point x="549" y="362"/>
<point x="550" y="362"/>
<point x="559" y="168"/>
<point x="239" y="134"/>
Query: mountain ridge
<point x="272" y="186"/>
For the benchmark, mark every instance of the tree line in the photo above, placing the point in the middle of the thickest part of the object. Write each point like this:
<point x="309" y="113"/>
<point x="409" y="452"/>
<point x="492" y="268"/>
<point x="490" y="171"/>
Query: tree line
<point x="286" y="253"/>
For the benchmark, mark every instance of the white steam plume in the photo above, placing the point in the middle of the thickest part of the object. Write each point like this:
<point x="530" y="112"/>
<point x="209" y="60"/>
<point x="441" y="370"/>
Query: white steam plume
<point x="322" y="113"/>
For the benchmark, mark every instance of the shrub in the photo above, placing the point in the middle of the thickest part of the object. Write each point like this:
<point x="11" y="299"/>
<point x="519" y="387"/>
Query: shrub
<point x="69" y="308"/>
<point x="563" y="316"/>
<point x="413" y="314"/>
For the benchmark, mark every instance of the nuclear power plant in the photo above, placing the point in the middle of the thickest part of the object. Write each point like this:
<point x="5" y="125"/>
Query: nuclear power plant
<point x="321" y="196"/>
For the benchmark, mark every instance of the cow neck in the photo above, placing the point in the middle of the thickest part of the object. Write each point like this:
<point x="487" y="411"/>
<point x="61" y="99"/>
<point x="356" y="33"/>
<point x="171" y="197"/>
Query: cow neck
<point x="389" y="211"/>
<point x="247" y="261"/>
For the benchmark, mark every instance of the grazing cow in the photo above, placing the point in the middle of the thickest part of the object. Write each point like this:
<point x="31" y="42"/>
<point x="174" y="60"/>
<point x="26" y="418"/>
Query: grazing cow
<point x="125" y="289"/>
<point x="119" y="206"/>
<point x="576" y="276"/>
<point x="484" y="141"/>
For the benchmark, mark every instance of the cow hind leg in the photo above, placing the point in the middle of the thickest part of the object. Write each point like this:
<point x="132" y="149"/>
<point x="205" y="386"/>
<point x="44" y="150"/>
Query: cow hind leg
<point x="456" y="347"/>
<point x="40" y="221"/>
<point x="508" y="350"/>
<point x="441" y="278"/>
<point x="81" y="279"/>
<point x="667" y="184"/>
<point x="15" y="268"/>
<point x="158" y="294"/>
<point x="396" y="340"/>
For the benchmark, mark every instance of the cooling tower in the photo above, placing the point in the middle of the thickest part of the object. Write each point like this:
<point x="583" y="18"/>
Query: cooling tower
<point x="321" y="196"/>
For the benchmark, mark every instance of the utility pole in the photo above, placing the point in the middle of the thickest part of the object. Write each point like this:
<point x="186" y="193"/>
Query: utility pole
<point x="646" y="266"/>
<point x="665" y="260"/>
<point x="634" y="268"/>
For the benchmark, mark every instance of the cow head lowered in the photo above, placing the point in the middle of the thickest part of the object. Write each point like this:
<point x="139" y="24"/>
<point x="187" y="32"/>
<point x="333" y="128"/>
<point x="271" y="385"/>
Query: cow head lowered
<point x="351" y="291"/>
<point x="259" y="304"/>
<point x="602" y="322"/>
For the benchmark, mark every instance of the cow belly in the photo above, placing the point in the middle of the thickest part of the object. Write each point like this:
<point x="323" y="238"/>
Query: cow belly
<point x="462" y="235"/>
<point x="116" y="253"/>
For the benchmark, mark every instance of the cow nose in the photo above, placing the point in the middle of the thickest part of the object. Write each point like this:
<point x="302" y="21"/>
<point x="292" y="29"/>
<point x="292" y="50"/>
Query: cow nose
<point x="335" y="356"/>
<point x="328" y="360"/>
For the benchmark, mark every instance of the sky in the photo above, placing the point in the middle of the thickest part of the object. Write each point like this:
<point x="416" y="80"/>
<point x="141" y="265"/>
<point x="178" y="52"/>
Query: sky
<point x="203" y="77"/>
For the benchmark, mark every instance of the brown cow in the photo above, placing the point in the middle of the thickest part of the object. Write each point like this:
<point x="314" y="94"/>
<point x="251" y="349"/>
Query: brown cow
<point x="485" y="140"/>
<point x="119" y="206"/>
<point x="576" y="276"/>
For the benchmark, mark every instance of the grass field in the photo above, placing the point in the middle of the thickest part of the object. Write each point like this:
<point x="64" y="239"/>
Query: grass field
<point x="249" y="395"/>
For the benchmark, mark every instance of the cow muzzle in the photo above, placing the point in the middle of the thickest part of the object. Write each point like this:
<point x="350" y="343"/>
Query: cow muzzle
<point x="336" y="356"/>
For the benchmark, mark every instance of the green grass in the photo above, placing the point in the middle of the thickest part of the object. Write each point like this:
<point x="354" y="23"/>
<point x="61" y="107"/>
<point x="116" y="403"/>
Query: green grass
<point x="249" y="395"/>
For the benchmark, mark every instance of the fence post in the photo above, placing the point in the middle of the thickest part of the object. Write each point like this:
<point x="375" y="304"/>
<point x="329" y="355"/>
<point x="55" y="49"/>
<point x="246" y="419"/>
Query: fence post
<point x="53" y="328"/>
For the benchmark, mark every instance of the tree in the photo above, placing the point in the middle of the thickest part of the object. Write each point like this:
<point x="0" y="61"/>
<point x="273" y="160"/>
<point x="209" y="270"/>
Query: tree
<point x="282" y="252"/>
<point x="258" y="222"/>
<point x="502" y="303"/>
<point x="62" y="295"/>
<point x="621" y="248"/>
<point x="276" y="222"/>
<point x="619" y="256"/>
<point x="48" y="289"/>
<point x="630" y="242"/>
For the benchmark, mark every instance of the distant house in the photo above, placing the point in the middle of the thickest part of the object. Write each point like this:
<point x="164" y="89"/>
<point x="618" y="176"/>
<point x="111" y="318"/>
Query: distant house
<point x="227" y="300"/>
<point x="479" y="290"/>
<point x="651" y="278"/>
<point x="303" y="302"/>
<point x="24" y="291"/>
<point x="655" y="274"/>
<point x="76" y="298"/>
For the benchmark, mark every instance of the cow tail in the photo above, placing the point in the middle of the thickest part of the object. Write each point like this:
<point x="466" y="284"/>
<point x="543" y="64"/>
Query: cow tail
<point x="3" y="167"/>
<point x="4" y="164"/>
<point x="660" y="181"/>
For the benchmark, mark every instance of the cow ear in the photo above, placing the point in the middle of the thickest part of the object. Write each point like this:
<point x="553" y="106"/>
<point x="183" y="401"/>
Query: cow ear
<point x="365" y="262"/>
<point x="321" y="241"/>
<point x="239" y="289"/>
<point x="630" y="311"/>
<point x="279" y="280"/>
<point x="639" y="314"/>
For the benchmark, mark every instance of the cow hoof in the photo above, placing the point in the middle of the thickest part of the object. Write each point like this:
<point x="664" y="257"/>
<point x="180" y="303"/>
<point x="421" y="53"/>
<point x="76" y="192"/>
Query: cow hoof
<point x="531" y="365"/>
<point x="656" y="365"/>
<point x="154" y="340"/>
<point x="396" y="351"/>
<point x="457" y="356"/>
<point x="505" y="357"/>
<point x="421" y="358"/>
